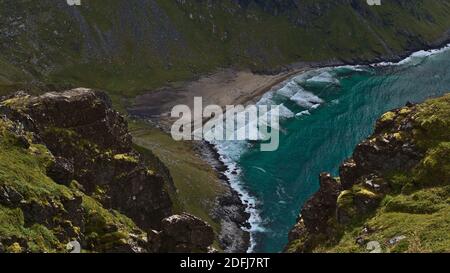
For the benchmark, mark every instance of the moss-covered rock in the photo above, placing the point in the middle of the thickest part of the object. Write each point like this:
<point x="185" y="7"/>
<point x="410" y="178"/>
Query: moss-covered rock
<point x="94" y="148"/>
<point x="67" y="176"/>
<point x="395" y="188"/>
<point x="40" y="210"/>
<point x="39" y="215"/>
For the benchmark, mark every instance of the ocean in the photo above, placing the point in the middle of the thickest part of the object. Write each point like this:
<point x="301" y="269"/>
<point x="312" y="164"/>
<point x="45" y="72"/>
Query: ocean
<point x="330" y="110"/>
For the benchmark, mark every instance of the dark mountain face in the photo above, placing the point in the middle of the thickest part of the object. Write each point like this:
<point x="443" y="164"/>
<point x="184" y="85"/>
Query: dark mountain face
<point x="273" y="7"/>
<point x="152" y="42"/>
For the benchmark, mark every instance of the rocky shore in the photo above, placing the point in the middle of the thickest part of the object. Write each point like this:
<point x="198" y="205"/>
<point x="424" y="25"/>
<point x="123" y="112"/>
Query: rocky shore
<point x="234" y="239"/>
<point x="389" y="192"/>
<point x="229" y="209"/>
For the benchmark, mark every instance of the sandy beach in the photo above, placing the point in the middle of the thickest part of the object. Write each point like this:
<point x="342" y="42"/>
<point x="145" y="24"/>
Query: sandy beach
<point x="225" y="87"/>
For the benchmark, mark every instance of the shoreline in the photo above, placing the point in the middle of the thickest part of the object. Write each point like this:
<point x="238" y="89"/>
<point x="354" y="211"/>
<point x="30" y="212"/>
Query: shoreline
<point x="230" y="209"/>
<point x="221" y="167"/>
<point x="261" y="92"/>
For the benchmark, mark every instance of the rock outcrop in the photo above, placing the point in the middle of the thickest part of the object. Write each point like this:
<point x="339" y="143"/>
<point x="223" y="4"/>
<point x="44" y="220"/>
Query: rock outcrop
<point x="92" y="145"/>
<point x="69" y="173"/>
<point x="182" y="234"/>
<point x="390" y="172"/>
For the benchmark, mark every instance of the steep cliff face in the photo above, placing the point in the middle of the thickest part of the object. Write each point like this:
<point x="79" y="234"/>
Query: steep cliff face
<point x="68" y="172"/>
<point x="392" y="195"/>
<point x="143" y="44"/>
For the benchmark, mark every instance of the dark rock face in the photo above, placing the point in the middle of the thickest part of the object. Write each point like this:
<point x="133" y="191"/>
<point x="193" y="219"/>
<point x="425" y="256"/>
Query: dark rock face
<point x="385" y="154"/>
<point x="361" y="183"/>
<point x="349" y="173"/>
<point x="184" y="234"/>
<point x="231" y="212"/>
<point x="91" y="144"/>
<point x="89" y="180"/>
<point x="61" y="171"/>
<point x="387" y="150"/>
<point x="315" y="214"/>
<point x="322" y="205"/>
<point x="86" y="112"/>
<point x="9" y="196"/>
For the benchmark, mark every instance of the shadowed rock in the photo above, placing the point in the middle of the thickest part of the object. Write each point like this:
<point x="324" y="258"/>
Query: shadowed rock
<point x="185" y="233"/>
<point x="91" y="144"/>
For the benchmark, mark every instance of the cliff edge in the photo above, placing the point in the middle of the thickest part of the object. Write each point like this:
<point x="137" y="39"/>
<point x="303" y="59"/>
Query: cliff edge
<point x="392" y="195"/>
<point x="69" y="176"/>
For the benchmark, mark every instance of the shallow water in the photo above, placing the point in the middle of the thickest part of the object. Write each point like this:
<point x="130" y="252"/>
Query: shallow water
<point x="335" y="109"/>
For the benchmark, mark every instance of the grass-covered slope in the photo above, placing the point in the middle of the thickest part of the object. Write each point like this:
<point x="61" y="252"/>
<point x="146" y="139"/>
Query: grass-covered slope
<point x="198" y="189"/>
<point x="193" y="178"/>
<point x="131" y="46"/>
<point x="39" y="215"/>
<point x="394" y="192"/>
<point x="70" y="172"/>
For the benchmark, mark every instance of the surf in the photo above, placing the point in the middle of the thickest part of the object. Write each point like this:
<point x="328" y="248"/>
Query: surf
<point x="328" y="111"/>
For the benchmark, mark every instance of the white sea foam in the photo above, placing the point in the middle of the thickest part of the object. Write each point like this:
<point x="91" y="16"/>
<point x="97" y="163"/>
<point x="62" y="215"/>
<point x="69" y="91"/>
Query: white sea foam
<point x="259" y="169"/>
<point x="306" y="99"/>
<point x="266" y="99"/>
<point x="352" y="67"/>
<point x="324" y="77"/>
<point x="288" y="90"/>
<point x="303" y="113"/>
<point x="230" y="151"/>
<point x="284" y="112"/>
<point x="415" y="58"/>
<point x="229" y="154"/>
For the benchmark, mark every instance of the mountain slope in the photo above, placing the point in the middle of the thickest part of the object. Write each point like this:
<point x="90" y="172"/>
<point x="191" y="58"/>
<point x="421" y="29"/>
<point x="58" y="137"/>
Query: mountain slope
<point x="68" y="177"/>
<point x="130" y="46"/>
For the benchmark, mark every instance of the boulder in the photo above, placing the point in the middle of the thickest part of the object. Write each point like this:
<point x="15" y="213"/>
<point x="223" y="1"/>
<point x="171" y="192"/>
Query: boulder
<point x="185" y="233"/>
<point x="61" y="170"/>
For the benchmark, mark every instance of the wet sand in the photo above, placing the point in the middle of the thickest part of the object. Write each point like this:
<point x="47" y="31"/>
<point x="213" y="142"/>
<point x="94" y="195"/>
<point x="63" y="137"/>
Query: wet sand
<point x="222" y="88"/>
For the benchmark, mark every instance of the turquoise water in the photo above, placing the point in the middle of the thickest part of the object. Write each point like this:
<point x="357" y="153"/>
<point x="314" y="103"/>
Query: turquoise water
<point x="343" y="105"/>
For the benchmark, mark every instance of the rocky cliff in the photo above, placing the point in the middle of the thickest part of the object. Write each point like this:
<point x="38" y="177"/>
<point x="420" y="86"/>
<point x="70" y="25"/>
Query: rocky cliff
<point x="144" y="44"/>
<point x="392" y="195"/>
<point x="69" y="173"/>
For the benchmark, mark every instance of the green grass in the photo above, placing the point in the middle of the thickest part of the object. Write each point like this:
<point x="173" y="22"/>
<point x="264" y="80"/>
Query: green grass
<point x="432" y="122"/>
<point x="197" y="185"/>
<point x="208" y="37"/>
<point x="424" y="224"/>
<point x="23" y="170"/>
<point x="417" y="205"/>
<point x="106" y="229"/>
<point x="39" y="238"/>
